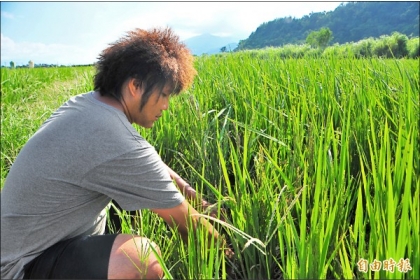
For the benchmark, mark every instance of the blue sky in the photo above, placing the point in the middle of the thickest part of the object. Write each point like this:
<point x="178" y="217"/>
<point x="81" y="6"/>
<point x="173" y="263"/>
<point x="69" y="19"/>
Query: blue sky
<point x="69" y="33"/>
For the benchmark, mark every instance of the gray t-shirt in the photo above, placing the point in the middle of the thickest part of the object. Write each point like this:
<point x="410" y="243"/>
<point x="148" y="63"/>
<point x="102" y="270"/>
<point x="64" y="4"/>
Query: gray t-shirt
<point x="84" y="155"/>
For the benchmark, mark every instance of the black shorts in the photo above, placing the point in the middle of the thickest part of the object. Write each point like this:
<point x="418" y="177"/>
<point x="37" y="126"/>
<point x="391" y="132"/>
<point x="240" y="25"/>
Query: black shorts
<point x="82" y="257"/>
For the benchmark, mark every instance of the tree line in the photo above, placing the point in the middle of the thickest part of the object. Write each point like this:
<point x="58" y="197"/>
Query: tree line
<point x="349" y="22"/>
<point x="396" y="45"/>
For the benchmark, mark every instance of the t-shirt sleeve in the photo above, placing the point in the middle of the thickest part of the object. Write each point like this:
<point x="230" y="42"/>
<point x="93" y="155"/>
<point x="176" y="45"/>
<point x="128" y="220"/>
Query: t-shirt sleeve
<point x="136" y="180"/>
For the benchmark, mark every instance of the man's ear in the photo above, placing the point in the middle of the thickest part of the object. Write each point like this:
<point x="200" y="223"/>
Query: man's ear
<point x="134" y="87"/>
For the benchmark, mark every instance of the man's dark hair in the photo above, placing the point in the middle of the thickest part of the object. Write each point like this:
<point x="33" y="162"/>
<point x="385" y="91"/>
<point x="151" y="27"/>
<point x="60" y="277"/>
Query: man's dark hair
<point x="154" y="58"/>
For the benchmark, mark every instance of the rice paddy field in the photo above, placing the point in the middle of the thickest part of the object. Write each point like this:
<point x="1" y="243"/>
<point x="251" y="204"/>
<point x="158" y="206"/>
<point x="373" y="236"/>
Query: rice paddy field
<point x="312" y="162"/>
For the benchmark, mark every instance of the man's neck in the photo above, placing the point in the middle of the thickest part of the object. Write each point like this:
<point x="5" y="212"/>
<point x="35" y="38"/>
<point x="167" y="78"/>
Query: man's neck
<point x="108" y="100"/>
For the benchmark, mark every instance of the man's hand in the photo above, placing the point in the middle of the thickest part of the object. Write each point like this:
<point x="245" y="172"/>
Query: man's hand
<point x="212" y="210"/>
<point x="196" y="200"/>
<point x="185" y="188"/>
<point x="229" y="253"/>
<point x="179" y="216"/>
<point x="182" y="185"/>
<point x="199" y="203"/>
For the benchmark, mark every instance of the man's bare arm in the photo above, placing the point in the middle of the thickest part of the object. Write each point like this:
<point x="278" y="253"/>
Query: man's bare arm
<point x="178" y="217"/>
<point x="186" y="189"/>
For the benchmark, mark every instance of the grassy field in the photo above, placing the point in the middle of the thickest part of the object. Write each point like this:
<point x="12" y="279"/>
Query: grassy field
<point x="314" y="160"/>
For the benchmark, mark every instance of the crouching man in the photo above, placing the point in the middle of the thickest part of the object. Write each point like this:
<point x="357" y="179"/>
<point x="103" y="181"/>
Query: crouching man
<point x="87" y="154"/>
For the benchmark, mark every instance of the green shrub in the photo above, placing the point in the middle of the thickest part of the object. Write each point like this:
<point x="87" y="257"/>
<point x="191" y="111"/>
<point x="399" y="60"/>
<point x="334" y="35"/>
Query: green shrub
<point x="364" y="48"/>
<point x="394" y="46"/>
<point x="414" y="47"/>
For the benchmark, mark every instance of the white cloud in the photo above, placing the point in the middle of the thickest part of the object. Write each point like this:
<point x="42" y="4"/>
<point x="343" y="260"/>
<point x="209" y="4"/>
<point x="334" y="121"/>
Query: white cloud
<point x="238" y="19"/>
<point x="22" y="52"/>
<point x="7" y="15"/>
<point x="96" y="28"/>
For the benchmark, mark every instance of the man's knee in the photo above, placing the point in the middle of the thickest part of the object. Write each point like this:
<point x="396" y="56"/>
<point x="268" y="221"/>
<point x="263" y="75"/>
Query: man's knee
<point x="133" y="257"/>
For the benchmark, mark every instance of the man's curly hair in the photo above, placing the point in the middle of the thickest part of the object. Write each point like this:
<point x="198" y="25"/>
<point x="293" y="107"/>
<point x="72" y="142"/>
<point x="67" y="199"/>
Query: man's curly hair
<point x="154" y="58"/>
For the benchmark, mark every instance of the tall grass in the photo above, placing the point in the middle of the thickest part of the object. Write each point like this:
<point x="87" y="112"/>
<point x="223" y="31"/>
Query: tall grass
<point x="314" y="161"/>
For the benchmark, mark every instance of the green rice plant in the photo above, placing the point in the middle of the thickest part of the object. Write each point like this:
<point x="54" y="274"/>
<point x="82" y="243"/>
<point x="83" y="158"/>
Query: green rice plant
<point x="313" y="162"/>
<point x="388" y="211"/>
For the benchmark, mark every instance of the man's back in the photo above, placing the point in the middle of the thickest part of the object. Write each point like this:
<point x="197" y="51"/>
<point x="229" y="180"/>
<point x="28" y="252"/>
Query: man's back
<point x="60" y="183"/>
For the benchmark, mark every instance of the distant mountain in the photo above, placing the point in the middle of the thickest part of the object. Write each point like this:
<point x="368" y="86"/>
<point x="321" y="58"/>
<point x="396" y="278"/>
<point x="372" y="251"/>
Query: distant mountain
<point x="349" y="22"/>
<point x="210" y="44"/>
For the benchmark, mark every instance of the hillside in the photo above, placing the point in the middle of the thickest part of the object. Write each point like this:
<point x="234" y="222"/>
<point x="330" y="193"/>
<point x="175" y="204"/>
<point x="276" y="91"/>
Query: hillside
<point x="210" y="44"/>
<point x="349" y="22"/>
